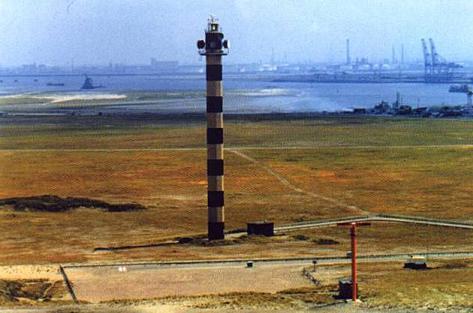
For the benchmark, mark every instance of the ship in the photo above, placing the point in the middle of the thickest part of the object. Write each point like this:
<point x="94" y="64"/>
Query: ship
<point x="55" y="84"/>
<point x="89" y="84"/>
<point x="459" y="88"/>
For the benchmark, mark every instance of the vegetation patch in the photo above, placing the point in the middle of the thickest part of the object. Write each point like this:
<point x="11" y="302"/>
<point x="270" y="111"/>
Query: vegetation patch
<point x="30" y="290"/>
<point x="201" y="240"/>
<point x="301" y="237"/>
<point x="286" y="299"/>
<point x="204" y="242"/>
<point x="326" y="241"/>
<point x="454" y="264"/>
<point x="49" y="203"/>
<point x="325" y="294"/>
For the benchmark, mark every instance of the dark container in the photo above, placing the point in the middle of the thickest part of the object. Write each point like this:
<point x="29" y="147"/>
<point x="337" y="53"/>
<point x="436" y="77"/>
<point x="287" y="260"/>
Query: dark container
<point x="261" y="228"/>
<point x="416" y="263"/>
<point x="345" y="288"/>
<point x="415" y="266"/>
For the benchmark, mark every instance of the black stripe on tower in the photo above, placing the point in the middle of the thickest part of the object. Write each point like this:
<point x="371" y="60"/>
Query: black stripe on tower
<point x="214" y="167"/>
<point x="214" y="136"/>
<point x="214" y="104"/>
<point x="215" y="198"/>
<point x="216" y="231"/>
<point x="214" y="72"/>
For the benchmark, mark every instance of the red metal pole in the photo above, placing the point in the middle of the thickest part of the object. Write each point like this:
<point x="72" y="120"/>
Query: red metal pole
<point x="354" y="278"/>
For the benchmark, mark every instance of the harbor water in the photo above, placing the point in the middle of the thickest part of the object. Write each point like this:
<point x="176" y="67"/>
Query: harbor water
<point x="244" y="93"/>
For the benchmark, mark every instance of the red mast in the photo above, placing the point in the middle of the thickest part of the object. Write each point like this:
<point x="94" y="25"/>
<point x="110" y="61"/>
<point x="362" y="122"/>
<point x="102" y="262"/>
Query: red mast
<point x="354" y="252"/>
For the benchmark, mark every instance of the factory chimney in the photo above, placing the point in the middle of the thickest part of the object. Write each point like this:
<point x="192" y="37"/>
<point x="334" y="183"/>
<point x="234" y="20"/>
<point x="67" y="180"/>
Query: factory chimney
<point x="393" y="55"/>
<point x="214" y="47"/>
<point x="348" y="52"/>
<point x="402" y="54"/>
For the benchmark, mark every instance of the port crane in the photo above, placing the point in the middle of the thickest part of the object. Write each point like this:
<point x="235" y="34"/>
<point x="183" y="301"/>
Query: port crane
<point x="427" y="60"/>
<point x="466" y="89"/>
<point x="436" y="68"/>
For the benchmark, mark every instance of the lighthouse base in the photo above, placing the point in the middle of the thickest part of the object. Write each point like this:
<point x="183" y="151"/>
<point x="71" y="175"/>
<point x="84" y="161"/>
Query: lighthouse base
<point x="216" y="231"/>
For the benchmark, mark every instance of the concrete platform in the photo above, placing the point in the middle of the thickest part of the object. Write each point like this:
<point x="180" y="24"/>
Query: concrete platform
<point x="95" y="284"/>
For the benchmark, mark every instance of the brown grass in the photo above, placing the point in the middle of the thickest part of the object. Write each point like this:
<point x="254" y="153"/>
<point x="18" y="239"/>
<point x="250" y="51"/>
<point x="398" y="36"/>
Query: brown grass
<point x="393" y="238"/>
<point x="433" y="182"/>
<point x="387" y="285"/>
<point x="424" y="181"/>
<point x="170" y="184"/>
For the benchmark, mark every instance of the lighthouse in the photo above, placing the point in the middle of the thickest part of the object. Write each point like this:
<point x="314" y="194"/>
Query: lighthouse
<point x="213" y="48"/>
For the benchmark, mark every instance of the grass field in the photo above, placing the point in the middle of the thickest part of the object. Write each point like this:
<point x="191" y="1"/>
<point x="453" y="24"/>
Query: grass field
<point x="333" y="166"/>
<point x="151" y="131"/>
<point x="446" y="285"/>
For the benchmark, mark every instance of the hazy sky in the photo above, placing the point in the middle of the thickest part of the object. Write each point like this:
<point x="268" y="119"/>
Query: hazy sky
<point x="131" y="31"/>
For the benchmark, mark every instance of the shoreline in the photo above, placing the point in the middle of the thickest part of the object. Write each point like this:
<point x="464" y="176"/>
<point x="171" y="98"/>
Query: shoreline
<point x="201" y="116"/>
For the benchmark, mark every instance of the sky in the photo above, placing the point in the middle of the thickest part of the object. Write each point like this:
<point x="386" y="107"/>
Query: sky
<point x="59" y="32"/>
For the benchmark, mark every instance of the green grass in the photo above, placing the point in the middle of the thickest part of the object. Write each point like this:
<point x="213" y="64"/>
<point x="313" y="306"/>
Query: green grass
<point x="158" y="132"/>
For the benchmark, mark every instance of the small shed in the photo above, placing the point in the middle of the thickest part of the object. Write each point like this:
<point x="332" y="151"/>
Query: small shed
<point x="264" y="228"/>
<point x="416" y="262"/>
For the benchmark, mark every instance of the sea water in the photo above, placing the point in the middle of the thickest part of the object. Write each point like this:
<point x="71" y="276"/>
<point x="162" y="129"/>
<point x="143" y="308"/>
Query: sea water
<point x="245" y="93"/>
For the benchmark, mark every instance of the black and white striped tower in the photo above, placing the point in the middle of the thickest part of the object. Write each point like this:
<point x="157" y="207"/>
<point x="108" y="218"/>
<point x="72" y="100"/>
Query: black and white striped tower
<point x="214" y="47"/>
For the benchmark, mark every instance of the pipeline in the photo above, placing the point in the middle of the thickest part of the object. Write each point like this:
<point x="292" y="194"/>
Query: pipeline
<point x="68" y="284"/>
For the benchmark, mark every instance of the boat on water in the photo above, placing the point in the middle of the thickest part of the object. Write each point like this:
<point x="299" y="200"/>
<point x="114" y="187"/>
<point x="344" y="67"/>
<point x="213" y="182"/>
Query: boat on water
<point x="89" y="84"/>
<point x="459" y="88"/>
<point x="55" y="84"/>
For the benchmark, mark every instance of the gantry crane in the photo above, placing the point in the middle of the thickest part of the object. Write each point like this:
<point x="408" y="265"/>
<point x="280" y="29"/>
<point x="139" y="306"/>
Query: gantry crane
<point x="436" y="68"/>
<point x="427" y="60"/>
<point x="466" y="89"/>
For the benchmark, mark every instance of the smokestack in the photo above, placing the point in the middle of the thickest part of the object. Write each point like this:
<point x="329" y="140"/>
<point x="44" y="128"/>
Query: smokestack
<point x="393" y="56"/>
<point x="214" y="47"/>
<point x="348" y="52"/>
<point x="402" y="54"/>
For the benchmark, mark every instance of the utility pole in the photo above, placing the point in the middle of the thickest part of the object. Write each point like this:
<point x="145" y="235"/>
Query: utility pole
<point x="354" y="253"/>
<point x="214" y="47"/>
<point x="354" y="273"/>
